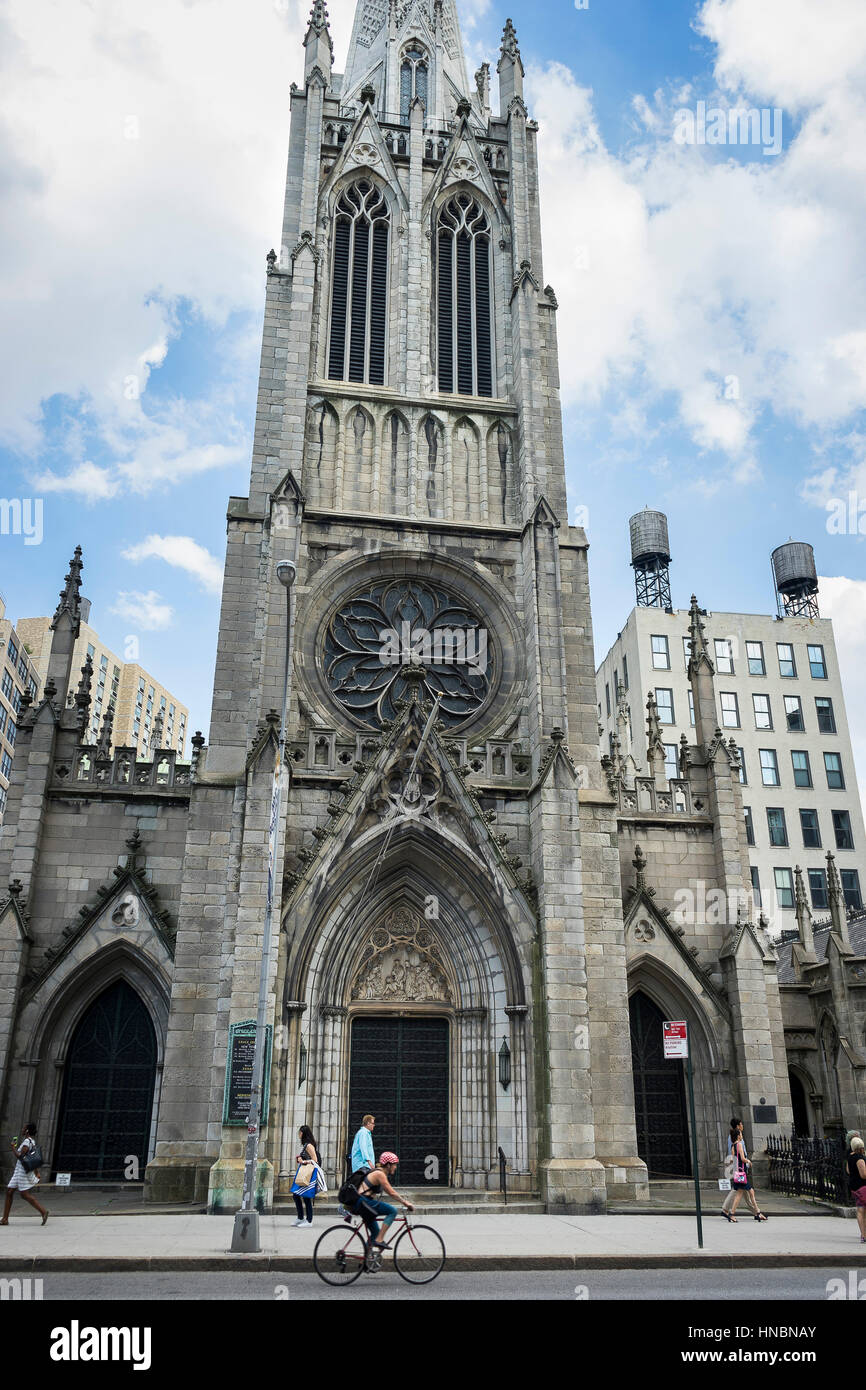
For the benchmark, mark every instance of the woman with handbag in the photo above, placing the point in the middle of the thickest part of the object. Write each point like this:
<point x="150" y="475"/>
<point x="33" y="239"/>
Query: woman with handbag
<point x="742" y="1180"/>
<point x="24" y="1177"/>
<point x="308" y="1178"/>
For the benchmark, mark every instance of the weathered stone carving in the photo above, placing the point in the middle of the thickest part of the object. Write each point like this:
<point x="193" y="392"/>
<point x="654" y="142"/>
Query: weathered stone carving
<point x="400" y="963"/>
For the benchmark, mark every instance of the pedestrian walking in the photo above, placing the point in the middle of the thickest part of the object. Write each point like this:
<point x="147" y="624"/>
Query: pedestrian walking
<point x="24" y="1178"/>
<point x="857" y="1182"/>
<point x="742" y="1179"/>
<point x="363" y="1155"/>
<point x="309" y="1179"/>
<point x="729" y="1168"/>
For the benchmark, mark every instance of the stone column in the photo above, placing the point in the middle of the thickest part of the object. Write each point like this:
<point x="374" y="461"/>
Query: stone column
<point x="517" y="1014"/>
<point x="329" y="1088"/>
<point x="294" y="1094"/>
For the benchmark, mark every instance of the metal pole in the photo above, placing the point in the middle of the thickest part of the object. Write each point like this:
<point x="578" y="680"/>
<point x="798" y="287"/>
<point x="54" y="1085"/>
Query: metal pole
<point x="245" y="1236"/>
<point x="695" y="1168"/>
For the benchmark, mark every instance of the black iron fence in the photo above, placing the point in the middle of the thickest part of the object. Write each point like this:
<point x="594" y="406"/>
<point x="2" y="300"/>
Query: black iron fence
<point x="809" y="1168"/>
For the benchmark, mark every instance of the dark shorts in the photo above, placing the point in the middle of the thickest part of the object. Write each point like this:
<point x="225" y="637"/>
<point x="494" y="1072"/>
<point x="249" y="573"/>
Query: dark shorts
<point x="741" y="1186"/>
<point x="860" y="1197"/>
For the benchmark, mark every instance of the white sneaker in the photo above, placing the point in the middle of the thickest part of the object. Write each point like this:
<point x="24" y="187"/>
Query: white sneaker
<point x="301" y="1221"/>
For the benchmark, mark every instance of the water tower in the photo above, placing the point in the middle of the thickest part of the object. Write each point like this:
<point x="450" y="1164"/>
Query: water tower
<point x="796" y="580"/>
<point x="651" y="559"/>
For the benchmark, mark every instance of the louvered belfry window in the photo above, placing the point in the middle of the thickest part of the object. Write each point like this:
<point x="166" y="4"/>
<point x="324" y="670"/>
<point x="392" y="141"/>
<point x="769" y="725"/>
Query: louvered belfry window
<point x="359" y="295"/>
<point x="464" y="299"/>
<point x="413" y="81"/>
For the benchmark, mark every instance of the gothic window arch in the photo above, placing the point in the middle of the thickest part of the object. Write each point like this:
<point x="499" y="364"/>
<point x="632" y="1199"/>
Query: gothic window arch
<point x="359" y="285"/>
<point x="414" y="80"/>
<point x="464" y="298"/>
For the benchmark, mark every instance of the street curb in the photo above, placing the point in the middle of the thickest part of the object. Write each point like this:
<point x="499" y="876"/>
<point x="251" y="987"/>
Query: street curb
<point x="459" y="1264"/>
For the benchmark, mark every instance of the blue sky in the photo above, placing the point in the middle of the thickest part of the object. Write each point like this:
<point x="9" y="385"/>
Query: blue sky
<point x="713" y="299"/>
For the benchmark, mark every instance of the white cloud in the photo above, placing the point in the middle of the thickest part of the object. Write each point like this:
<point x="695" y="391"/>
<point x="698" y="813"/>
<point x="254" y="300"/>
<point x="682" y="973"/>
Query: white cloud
<point x="86" y="480"/>
<point x="734" y="287"/>
<point x="183" y="553"/>
<point x="844" y="600"/>
<point x="144" y="611"/>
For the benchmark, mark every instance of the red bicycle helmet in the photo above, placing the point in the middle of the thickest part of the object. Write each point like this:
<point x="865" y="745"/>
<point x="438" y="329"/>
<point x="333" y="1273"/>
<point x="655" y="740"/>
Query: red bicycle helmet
<point x="388" y="1157"/>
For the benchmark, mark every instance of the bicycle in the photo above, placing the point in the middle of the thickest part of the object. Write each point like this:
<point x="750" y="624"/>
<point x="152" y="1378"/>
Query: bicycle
<point x="343" y="1254"/>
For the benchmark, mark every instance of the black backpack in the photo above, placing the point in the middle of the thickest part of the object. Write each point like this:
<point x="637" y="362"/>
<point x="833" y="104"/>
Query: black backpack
<point x="33" y="1160"/>
<point x="348" y="1194"/>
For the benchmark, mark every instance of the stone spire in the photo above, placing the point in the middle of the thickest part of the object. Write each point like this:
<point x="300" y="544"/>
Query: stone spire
<point x="317" y="43"/>
<point x="701" y="673"/>
<point x="103" y="747"/>
<point x="655" y="750"/>
<point x="379" y="34"/>
<point x="70" y="594"/>
<point x="804" y="914"/>
<point x="836" y="897"/>
<point x="510" y="69"/>
<point x="82" y="697"/>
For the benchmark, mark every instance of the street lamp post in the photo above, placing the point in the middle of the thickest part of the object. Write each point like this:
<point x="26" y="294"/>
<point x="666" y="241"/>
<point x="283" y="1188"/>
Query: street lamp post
<point x="245" y="1236"/>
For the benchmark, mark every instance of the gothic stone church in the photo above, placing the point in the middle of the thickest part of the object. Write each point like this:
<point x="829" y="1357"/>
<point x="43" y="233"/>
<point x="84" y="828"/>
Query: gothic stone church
<point x="474" y="933"/>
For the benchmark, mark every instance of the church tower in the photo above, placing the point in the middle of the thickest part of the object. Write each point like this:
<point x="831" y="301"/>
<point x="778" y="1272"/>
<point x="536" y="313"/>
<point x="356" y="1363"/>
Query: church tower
<point x="450" y="955"/>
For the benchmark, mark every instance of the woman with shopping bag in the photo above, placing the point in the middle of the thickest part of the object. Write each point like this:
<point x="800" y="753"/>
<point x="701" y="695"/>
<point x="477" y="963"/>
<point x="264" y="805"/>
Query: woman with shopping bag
<point x="309" y="1178"/>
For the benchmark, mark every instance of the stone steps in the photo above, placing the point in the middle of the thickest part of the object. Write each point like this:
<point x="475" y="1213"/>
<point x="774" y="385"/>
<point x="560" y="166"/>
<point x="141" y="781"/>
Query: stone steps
<point x="441" y="1201"/>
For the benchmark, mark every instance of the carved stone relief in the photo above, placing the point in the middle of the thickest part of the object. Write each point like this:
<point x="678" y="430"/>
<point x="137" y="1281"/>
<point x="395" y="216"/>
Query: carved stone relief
<point x="400" y="963"/>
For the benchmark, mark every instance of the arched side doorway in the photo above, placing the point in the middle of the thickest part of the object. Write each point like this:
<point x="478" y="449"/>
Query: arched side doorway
<point x="802" y="1127"/>
<point x="108" y="1089"/>
<point x="659" y="1094"/>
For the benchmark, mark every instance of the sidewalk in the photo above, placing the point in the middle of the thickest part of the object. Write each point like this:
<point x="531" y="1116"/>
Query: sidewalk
<point x="473" y="1241"/>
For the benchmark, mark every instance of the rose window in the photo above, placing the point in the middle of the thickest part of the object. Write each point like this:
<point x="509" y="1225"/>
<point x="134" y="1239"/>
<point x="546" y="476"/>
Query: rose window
<point x="402" y="636"/>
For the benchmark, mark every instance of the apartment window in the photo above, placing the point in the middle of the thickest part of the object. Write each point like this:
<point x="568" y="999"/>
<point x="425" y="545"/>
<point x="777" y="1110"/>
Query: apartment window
<point x="607" y="699"/>
<point x="787" y="664"/>
<point x="763" y="713"/>
<point x="811" y="829"/>
<point x="32" y="687"/>
<point x="750" y="824"/>
<point x="150" y="692"/>
<point x="851" y="889"/>
<point x="777" y="827"/>
<point x="817" y="664"/>
<point x="91" y="650"/>
<point x="661" y="654"/>
<point x="842" y="830"/>
<point x="784" y="887"/>
<point x="744" y="780"/>
<point x="692" y="708"/>
<point x="12" y="732"/>
<point x="616" y="684"/>
<point x="15" y="701"/>
<point x="835" y="776"/>
<point x="769" y="768"/>
<point x="755" y="657"/>
<point x="5" y="765"/>
<point x="802" y="770"/>
<point x="2" y="801"/>
<point x="756" y="887"/>
<point x="22" y="668"/>
<point x="625" y="672"/>
<point x="687" y="650"/>
<point x="6" y="686"/>
<point x="724" y="657"/>
<point x="826" y="717"/>
<point x="162" y="702"/>
<point x="13" y="652"/>
<point x="141" y="683"/>
<point x="672" y="761"/>
<point x="3" y="717"/>
<point x="171" y="710"/>
<point x="818" y="890"/>
<point x="665" y="703"/>
<point x="730" y="710"/>
<point x="794" y="715"/>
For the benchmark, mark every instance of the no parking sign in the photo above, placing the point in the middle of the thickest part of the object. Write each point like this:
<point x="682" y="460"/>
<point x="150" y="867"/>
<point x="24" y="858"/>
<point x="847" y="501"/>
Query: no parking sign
<point x="676" y="1040"/>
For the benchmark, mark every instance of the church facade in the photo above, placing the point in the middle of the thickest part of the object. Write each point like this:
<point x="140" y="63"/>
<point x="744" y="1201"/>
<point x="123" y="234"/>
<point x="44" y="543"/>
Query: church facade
<point x="475" y="940"/>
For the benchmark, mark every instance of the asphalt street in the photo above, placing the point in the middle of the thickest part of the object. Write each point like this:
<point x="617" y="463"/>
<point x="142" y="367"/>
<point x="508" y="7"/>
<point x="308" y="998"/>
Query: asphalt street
<point x="673" y="1285"/>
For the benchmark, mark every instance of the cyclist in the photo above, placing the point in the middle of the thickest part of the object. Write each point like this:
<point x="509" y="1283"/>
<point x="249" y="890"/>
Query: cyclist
<point x="370" y="1205"/>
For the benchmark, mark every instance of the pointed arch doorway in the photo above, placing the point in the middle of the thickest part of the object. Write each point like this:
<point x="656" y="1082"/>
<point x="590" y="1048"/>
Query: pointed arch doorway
<point x="108" y="1089"/>
<point x="659" y="1094"/>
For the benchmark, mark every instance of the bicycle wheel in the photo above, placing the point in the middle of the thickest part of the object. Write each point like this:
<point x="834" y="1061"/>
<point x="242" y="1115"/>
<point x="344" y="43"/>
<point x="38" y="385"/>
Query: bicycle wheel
<point x="419" y="1255"/>
<point x="339" y="1255"/>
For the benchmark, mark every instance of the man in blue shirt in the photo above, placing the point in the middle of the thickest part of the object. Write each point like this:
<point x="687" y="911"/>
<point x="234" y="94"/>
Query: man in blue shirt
<point x="363" y="1156"/>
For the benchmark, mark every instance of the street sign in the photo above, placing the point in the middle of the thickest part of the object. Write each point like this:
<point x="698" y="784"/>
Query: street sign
<point x="676" y="1040"/>
<point x="62" y="1179"/>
